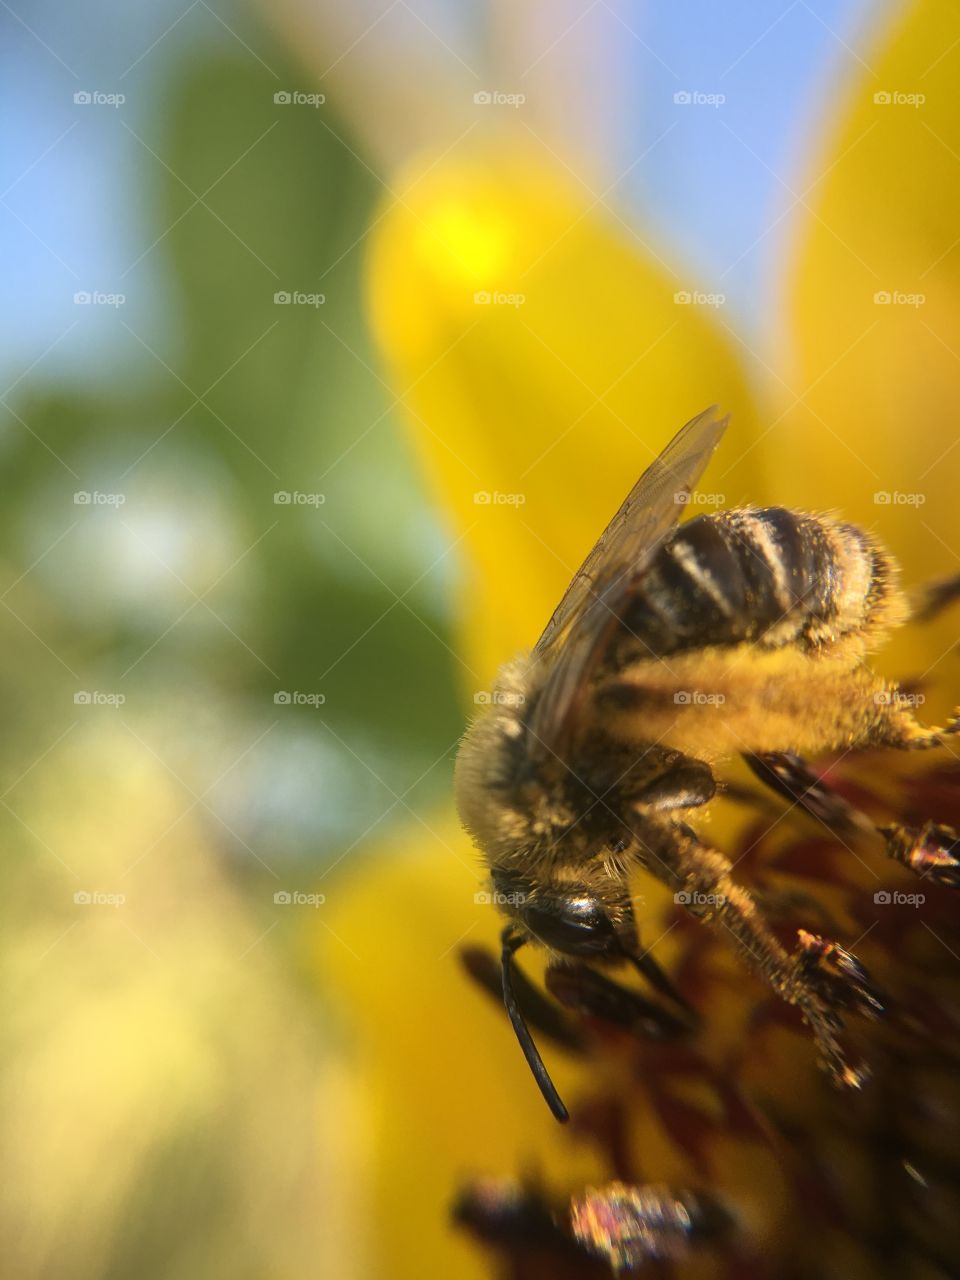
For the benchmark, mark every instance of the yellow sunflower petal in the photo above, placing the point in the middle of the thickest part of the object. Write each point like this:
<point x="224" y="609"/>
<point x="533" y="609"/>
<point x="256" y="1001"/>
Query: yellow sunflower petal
<point x="543" y="361"/>
<point x="448" y="1093"/>
<point x="874" y="308"/>
<point x="159" y="1069"/>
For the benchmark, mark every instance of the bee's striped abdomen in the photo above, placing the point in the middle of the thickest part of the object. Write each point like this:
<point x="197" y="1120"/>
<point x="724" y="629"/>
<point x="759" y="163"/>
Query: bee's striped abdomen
<point x="770" y="576"/>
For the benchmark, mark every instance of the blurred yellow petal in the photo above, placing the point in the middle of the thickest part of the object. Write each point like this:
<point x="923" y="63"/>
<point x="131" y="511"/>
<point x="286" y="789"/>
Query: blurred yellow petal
<point x="543" y="360"/>
<point x="874" y="309"/>
<point x="161" y="1094"/>
<point x="449" y="1092"/>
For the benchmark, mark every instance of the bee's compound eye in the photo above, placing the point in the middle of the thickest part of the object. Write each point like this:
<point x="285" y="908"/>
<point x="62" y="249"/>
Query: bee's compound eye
<point x="577" y="925"/>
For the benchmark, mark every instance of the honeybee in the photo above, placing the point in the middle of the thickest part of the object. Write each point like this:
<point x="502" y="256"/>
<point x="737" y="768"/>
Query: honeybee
<point x="674" y="647"/>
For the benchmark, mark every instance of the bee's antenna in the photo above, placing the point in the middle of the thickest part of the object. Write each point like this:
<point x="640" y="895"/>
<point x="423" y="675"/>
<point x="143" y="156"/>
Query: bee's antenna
<point x="512" y="942"/>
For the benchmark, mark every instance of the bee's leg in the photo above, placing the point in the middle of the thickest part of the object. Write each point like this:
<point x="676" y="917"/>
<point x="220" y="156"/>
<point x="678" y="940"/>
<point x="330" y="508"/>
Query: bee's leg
<point x="645" y="965"/>
<point x="792" y="778"/>
<point x="932" y="850"/>
<point x="685" y="783"/>
<point x="585" y="991"/>
<point x="895" y="725"/>
<point x="820" y="978"/>
<point x="933" y="598"/>
<point x="643" y="960"/>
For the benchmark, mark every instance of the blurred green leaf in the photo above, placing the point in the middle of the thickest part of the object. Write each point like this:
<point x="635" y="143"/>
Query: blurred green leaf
<point x="237" y="397"/>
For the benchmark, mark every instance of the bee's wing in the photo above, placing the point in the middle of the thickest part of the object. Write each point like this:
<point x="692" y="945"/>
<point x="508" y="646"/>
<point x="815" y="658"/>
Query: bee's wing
<point x="587" y="616"/>
<point x="649" y="511"/>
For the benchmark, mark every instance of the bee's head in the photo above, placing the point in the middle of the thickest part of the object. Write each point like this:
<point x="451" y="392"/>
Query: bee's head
<point x="573" y="918"/>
